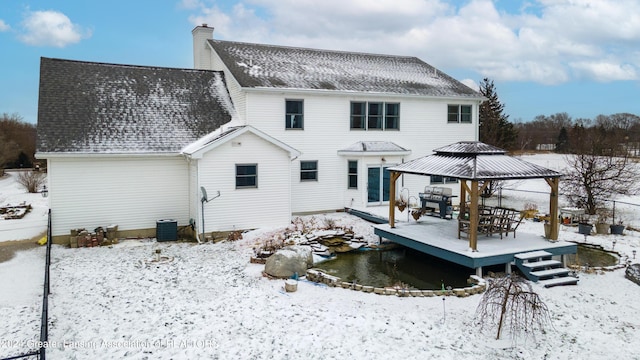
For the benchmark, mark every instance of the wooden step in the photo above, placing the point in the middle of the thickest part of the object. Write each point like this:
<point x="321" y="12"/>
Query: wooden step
<point x="533" y="255"/>
<point x="550" y="272"/>
<point x="567" y="280"/>
<point x="542" y="264"/>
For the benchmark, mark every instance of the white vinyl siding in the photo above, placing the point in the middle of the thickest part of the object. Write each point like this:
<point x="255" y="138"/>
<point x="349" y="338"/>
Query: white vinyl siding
<point x="132" y="193"/>
<point x="245" y="208"/>
<point x="238" y="97"/>
<point x="327" y="130"/>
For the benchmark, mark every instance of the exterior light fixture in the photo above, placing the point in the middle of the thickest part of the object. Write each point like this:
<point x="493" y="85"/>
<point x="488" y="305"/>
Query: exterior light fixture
<point x="44" y="191"/>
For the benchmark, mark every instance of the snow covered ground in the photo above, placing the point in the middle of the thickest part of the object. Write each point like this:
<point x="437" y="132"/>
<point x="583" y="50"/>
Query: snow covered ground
<point x="208" y="301"/>
<point x="30" y="226"/>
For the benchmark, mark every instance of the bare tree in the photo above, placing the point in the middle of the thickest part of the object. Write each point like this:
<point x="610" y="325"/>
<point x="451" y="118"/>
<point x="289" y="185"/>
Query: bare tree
<point x="31" y="180"/>
<point x="510" y="301"/>
<point x="592" y="179"/>
<point x="602" y="166"/>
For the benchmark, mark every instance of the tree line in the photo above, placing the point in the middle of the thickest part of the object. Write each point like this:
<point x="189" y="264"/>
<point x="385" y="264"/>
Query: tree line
<point x="558" y="132"/>
<point x="17" y="142"/>
<point x="600" y="152"/>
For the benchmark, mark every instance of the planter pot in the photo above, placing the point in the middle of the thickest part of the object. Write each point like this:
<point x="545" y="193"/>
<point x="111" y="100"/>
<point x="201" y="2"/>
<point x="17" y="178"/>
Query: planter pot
<point x="617" y="229"/>
<point x="585" y="229"/>
<point x="602" y="229"/>
<point x="401" y="207"/>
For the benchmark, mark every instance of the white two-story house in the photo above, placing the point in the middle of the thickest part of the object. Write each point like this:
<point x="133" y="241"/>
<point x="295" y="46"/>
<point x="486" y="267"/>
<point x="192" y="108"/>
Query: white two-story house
<point x="273" y="130"/>
<point x="351" y="115"/>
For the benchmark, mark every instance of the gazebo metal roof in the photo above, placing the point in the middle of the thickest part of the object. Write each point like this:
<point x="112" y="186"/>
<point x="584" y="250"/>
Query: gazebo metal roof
<point x="474" y="160"/>
<point x="477" y="163"/>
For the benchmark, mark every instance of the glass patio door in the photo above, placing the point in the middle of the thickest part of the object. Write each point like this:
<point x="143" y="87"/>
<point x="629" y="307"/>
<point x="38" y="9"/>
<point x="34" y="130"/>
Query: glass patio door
<point x="378" y="184"/>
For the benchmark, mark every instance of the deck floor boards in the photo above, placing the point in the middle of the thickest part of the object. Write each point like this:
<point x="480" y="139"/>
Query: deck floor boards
<point x="438" y="237"/>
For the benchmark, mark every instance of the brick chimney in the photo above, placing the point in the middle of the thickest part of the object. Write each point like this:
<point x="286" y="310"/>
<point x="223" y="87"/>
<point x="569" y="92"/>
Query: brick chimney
<point x="201" y="50"/>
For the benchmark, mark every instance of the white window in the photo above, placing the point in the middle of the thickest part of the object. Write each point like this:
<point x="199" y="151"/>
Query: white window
<point x="294" y="114"/>
<point x="375" y="115"/>
<point x="246" y="176"/>
<point x="308" y="170"/>
<point x="459" y="114"/>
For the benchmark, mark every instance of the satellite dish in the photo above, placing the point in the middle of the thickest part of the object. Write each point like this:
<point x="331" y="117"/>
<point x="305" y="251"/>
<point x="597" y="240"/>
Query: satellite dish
<point x="204" y="194"/>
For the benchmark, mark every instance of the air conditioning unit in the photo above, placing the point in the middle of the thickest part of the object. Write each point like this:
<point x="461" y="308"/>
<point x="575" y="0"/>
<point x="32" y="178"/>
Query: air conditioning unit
<point x="167" y="230"/>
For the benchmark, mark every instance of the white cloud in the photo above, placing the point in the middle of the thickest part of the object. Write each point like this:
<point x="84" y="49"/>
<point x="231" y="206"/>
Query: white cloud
<point x="546" y="41"/>
<point x="4" y="26"/>
<point x="51" y="28"/>
<point x="606" y="70"/>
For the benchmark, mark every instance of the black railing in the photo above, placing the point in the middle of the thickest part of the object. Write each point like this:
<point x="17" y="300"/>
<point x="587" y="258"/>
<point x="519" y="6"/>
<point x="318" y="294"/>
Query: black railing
<point x="44" y="318"/>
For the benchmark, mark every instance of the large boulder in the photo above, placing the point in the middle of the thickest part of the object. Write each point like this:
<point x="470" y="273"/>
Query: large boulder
<point x="633" y="273"/>
<point x="288" y="261"/>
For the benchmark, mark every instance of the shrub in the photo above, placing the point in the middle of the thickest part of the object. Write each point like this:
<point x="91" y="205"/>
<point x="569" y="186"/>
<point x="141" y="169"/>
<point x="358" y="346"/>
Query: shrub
<point x="31" y="180"/>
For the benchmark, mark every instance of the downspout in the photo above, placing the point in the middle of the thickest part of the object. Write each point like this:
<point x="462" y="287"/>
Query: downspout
<point x="199" y="214"/>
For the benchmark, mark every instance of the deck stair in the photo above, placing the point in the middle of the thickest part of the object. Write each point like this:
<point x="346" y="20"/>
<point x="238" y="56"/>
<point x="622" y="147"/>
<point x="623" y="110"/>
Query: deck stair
<point x="538" y="266"/>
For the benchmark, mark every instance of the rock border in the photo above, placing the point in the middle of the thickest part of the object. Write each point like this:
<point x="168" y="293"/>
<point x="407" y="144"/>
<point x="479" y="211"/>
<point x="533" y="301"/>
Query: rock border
<point x="623" y="260"/>
<point x="478" y="286"/>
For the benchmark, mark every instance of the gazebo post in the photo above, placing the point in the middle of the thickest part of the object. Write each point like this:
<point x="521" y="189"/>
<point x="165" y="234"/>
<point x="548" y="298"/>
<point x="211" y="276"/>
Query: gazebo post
<point x="473" y="217"/>
<point x="553" y="206"/>
<point x="463" y="198"/>
<point x="393" y="177"/>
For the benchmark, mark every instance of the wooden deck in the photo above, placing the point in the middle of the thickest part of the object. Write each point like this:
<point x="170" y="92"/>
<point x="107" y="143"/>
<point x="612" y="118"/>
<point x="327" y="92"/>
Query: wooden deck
<point x="439" y="238"/>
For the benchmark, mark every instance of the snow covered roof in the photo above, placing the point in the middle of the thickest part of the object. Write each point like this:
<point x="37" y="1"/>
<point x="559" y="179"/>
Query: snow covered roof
<point x="226" y="133"/>
<point x="374" y="148"/>
<point x="87" y="107"/>
<point x="268" y="66"/>
<point x="474" y="161"/>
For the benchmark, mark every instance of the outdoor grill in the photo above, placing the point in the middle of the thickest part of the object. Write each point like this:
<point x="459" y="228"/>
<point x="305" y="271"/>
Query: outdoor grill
<point x="437" y="201"/>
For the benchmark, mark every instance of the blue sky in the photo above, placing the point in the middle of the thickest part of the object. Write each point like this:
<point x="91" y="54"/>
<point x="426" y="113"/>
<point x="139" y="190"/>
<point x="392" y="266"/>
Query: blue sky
<point x="545" y="56"/>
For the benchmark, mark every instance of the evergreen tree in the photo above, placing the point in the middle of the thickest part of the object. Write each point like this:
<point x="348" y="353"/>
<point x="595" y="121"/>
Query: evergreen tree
<point x="562" y="146"/>
<point x="495" y="128"/>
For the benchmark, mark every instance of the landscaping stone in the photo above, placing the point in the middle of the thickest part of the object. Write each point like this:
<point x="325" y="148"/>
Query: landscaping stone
<point x="391" y="291"/>
<point x="288" y="261"/>
<point x="633" y="273"/>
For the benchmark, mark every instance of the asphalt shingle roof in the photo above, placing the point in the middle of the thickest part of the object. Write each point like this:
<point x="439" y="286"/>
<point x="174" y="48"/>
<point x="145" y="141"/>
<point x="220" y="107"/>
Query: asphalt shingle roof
<point x="268" y="66"/>
<point x="87" y="107"/>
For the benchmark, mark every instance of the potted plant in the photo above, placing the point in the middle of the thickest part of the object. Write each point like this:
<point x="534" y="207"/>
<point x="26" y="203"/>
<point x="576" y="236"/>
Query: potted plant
<point x="602" y="225"/>
<point x="617" y="229"/>
<point x="401" y="203"/>
<point x="416" y="213"/>
<point x="547" y="230"/>
<point x="584" y="228"/>
<point x="530" y="210"/>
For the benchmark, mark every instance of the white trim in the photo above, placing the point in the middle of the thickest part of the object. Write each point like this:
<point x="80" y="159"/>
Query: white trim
<point x="71" y="155"/>
<point x="373" y="153"/>
<point x="360" y="93"/>
<point x="202" y="149"/>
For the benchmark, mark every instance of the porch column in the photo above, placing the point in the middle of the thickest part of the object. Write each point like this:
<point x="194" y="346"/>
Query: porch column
<point x="393" y="177"/>
<point x="463" y="197"/>
<point x="553" y="206"/>
<point x="473" y="217"/>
